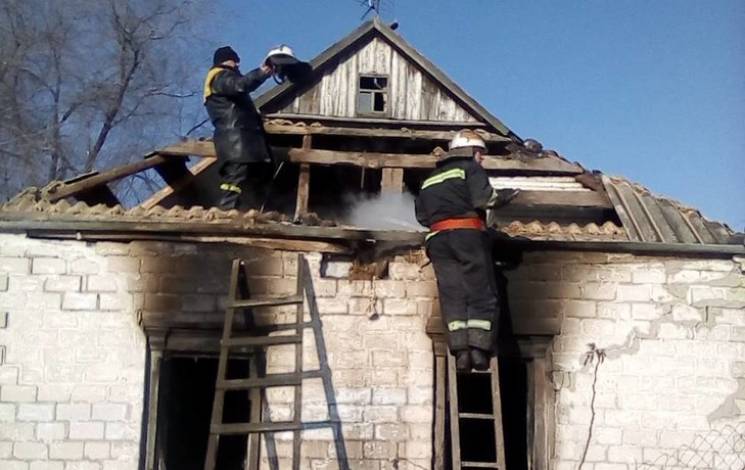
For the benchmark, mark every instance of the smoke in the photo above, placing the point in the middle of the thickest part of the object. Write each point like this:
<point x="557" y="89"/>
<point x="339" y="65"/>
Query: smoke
<point x="384" y="211"/>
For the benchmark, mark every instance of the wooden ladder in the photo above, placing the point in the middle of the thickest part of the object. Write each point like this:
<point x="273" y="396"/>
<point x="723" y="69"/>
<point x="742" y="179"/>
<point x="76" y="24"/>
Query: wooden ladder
<point x="257" y="382"/>
<point x="456" y="415"/>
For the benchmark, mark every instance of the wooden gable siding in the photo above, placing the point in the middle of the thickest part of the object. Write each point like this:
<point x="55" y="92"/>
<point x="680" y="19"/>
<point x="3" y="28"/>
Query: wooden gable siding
<point x="411" y="94"/>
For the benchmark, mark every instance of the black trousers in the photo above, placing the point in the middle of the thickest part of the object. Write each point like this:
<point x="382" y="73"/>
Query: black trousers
<point x="234" y="177"/>
<point x="468" y="293"/>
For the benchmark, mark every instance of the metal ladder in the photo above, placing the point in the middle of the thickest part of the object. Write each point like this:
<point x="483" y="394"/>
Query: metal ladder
<point x="258" y="381"/>
<point x="456" y="415"/>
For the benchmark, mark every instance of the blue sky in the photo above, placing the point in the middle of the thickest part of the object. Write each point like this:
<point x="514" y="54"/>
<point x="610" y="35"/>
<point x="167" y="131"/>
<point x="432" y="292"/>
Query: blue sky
<point x="651" y="90"/>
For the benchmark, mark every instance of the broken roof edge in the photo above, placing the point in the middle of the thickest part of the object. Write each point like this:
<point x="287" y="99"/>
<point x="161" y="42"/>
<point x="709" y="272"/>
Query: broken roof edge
<point x="648" y="217"/>
<point x="329" y="239"/>
<point x="397" y="41"/>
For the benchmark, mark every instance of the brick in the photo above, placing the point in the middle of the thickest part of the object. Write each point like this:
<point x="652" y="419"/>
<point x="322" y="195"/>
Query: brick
<point x="389" y="358"/>
<point x="48" y="266"/>
<point x="389" y="396"/>
<point x="97" y="450"/>
<point x="122" y="431"/>
<point x="35" y="412"/>
<point x="112" y="248"/>
<point x="331" y="306"/>
<point x="580" y="308"/>
<point x="99" y="283"/>
<point x="599" y="291"/>
<point x="109" y="412"/>
<point x="358" y="396"/>
<point x="17" y="393"/>
<point x="114" y="302"/>
<point x="47" y="465"/>
<point x="416" y="414"/>
<point x="391" y="432"/>
<point x="73" y="412"/>
<point x="417" y="288"/>
<point x="381" y="414"/>
<point x="123" y="264"/>
<point x="644" y="312"/>
<point x="624" y="454"/>
<point x="47" y="432"/>
<point x="78" y="301"/>
<point x="399" y="307"/>
<point x="83" y="266"/>
<point x="86" y="430"/>
<point x="634" y="293"/>
<point x="14" y="265"/>
<point x="337" y="269"/>
<point x="379" y="450"/>
<point x="17" y="432"/>
<point x="648" y="276"/>
<point x="62" y="284"/>
<point x="13" y="465"/>
<point x="163" y="302"/>
<point x="404" y="271"/>
<point x="66" y="450"/>
<point x="29" y="450"/>
<point x="7" y="412"/>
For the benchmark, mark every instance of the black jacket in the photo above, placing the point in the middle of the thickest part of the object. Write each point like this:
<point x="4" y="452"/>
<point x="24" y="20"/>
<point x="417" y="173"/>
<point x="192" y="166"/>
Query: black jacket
<point x="239" y="131"/>
<point x="457" y="188"/>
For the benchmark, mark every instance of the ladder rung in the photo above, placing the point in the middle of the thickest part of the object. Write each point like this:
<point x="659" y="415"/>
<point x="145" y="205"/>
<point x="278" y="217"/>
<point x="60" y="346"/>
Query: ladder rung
<point x="247" y="428"/>
<point x="282" y="327"/>
<point x="275" y="380"/>
<point x="272" y="380"/>
<point x="479" y="464"/>
<point x="261" y="341"/>
<point x="476" y="415"/>
<point x="267" y="302"/>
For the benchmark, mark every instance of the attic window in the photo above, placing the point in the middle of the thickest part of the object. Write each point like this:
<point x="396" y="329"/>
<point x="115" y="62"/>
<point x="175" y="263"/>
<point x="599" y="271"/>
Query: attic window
<point x="373" y="94"/>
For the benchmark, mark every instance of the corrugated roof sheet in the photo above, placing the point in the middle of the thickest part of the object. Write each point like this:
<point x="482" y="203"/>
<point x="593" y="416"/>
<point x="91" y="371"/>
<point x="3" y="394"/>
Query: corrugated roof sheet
<point x="649" y="218"/>
<point x="572" y="232"/>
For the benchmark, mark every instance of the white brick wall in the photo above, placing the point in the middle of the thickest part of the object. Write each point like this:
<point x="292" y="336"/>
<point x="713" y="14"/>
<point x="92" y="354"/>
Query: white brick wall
<point x="674" y="334"/>
<point x="68" y="351"/>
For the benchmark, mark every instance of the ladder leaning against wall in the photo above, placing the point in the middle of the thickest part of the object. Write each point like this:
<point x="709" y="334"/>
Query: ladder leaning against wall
<point x="255" y="341"/>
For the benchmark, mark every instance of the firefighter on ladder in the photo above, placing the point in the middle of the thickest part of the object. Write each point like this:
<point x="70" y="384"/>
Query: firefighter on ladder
<point x="452" y="203"/>
<point x="239" y="137"/>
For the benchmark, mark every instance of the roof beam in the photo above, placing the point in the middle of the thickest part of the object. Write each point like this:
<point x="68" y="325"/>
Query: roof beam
<point x="550" y="165"/>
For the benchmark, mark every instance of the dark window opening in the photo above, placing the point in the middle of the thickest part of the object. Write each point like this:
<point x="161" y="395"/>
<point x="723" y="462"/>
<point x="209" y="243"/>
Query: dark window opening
<point x="477" y="431"/>
<point x="186" y="392"/>
<point x="373" y="94"/>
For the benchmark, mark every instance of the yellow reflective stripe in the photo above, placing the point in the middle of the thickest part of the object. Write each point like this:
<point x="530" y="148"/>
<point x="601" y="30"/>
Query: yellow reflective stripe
<point x="208" y="82"/>
<point x="480" y="324"/>
<point x="231" y="187"/>
<point x="457" y="325"/>
<point x="445" y="175"/>
<point x="430" y="235"/>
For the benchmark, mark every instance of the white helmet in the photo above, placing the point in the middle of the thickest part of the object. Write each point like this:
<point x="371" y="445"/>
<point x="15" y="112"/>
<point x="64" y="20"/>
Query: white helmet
<point x="467" y="138"/>
<point x="280" y="52"/>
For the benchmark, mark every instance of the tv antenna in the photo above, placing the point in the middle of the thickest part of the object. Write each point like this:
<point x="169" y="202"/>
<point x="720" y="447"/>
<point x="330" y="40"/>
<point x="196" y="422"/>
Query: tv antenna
<point x="373" y="6"/>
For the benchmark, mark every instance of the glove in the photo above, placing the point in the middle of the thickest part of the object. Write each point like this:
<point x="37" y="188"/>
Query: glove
<point x="502" y="197"/>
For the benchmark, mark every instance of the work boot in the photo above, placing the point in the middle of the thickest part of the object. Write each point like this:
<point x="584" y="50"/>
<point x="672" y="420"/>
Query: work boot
<point x="463" y="360"/>
<point x="479" y="359"/>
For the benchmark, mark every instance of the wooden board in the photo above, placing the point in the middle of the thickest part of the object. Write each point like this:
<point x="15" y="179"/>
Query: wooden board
<point x="392" y="180"/>
<point x="95" y="179"/>
<point x="404" y="133"/>
<point x="178" y="184"/>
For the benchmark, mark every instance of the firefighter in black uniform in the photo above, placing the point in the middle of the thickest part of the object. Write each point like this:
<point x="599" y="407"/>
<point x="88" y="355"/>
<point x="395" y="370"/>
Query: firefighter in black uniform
<point x="452" y="204"/>
<point x="239" y="137"/>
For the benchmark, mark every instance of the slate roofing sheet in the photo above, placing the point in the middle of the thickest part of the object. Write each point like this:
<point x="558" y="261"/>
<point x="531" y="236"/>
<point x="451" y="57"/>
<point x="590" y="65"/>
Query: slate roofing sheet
<point x="650" y="218"/>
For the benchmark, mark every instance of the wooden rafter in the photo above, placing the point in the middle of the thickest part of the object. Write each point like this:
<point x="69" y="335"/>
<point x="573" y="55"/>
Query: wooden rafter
<point x="385" y="160"/>
<point x="176" y="185"/>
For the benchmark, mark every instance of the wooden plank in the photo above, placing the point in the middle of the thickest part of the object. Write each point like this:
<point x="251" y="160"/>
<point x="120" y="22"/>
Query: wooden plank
<point x="155" y="361"/>
<point x="375" y="120"/>
<point x="440" y="400"/>
<point x="100" y="194"/>
<point x="303" y="191"/>
<point x="96" y="179"/>
<point x="453" y="407"/>
<point x="392" y="180"/>
<point x="405" y="133"/>
<point x="497" y="412"/>
<point x="179" y="184"/>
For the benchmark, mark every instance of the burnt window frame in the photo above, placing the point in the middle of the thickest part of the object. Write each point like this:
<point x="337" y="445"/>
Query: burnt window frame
<point x="385" y="92"/>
